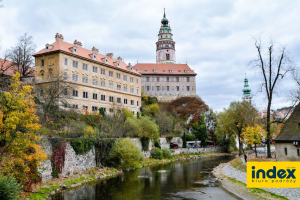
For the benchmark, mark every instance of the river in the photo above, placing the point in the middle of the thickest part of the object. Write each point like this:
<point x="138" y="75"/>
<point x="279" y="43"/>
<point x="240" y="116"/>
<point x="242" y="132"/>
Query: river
<point x="189" y="179"/>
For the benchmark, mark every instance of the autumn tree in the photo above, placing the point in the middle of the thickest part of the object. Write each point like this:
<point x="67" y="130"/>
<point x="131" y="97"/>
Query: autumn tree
<point x="238" y="116"/>
<point x="21" y="54"/>
<point x="252" y="135"/>
<point x="273" y="68"/>
<point x="20" y="155"/>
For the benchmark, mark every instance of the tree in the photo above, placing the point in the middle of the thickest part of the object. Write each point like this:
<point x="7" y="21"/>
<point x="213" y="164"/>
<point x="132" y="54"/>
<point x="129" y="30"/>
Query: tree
<point x="165" y="123"/>
<point x="184" y="141"/>
<point x="273" y="69"/>
<point x="149" y="128"/>
<point x="238" y="116"/>
<point x="199" y="130"/>
<point x="21" y="54"/>
<point x="19" y="153"/>
<point x="253" y="135"/>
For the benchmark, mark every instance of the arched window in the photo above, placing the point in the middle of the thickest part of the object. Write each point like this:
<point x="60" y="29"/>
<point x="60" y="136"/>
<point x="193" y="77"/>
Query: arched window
<point x="168" y="56"/>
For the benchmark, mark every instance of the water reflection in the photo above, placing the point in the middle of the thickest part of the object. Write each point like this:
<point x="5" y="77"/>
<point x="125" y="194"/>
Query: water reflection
<point x="181" y="180"/>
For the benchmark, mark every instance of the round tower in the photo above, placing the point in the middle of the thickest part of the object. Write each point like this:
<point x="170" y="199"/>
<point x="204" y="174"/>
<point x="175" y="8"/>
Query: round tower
<point x="246" y="91"/>
<point x="165" y="46"/>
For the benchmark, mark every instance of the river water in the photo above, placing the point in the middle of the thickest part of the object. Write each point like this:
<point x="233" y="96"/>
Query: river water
<point x="190" y="179"/>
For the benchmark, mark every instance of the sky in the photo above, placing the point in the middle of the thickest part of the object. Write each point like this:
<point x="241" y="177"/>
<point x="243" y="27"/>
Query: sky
<point x="214" y="37"/>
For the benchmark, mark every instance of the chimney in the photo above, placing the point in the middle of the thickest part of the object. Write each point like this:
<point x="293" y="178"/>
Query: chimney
<point x="95" y="50"/>
<point x="110" y="55"/>
<point x="59" y="36"/>
<point x="119" y="58"/>
<point x="77" y="43"/>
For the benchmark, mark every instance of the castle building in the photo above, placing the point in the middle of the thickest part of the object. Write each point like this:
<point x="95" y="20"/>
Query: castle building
<point x="97" y="80"/>
<point x="165" y="79"/>
<point x="246" y="91"/>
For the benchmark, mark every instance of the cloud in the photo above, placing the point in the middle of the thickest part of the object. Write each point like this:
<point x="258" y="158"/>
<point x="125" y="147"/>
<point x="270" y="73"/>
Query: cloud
<point x="214" y="37"/>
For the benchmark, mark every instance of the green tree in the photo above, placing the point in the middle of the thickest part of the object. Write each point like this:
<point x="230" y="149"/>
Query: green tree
<point x="148" y="128"/>
<point x="183" y="141"/>
<point x="199" y="130"/>
<point x="165" y="123"/>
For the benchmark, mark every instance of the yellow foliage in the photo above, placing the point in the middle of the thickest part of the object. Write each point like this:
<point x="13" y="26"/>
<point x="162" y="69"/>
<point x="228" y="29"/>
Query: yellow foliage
<point x="253" y="134"/>
<point x="19" y="153"/>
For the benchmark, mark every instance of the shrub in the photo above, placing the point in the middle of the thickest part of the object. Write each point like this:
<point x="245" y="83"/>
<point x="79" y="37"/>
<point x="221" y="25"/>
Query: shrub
<point x="145" y="143"/>
<point x="190" y="137"/>
<point x="127" y="153"/>
<point x="166" y="153"/>
<point x="184" y="141"/>
<point x="169" y="138"/>
<point x="157" y="153"/>
<point x="157" y="144"/>
<point x="9" y="188"/>
<point x="82" y="145"/>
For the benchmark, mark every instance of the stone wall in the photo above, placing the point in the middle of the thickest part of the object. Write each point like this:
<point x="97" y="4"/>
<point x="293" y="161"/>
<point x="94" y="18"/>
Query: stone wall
<point x="74" y="164"/>
<point x="292" y="154"/>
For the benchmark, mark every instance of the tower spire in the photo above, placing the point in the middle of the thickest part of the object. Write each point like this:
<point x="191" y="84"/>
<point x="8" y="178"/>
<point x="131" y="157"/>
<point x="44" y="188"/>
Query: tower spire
<point x="246" y="91"/>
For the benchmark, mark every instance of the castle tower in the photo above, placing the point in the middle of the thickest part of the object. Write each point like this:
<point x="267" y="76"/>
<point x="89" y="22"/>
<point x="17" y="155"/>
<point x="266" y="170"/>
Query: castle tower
<point x="246" y="91"/>
<point x="165" y="46"/>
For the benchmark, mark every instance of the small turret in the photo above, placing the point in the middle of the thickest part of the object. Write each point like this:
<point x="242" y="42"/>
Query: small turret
<point x="246" y="91"/>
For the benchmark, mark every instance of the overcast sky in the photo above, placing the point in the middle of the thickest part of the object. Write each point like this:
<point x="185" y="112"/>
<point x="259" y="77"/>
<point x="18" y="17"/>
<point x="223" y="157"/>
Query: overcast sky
<point x="213" y="36"/>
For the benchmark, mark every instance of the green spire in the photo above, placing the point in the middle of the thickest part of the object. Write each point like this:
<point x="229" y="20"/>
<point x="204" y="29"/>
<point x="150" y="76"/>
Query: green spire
<point x="246" y="89"/>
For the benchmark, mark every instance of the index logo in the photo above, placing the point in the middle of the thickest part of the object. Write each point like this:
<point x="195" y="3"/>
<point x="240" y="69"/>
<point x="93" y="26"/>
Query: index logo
<point x="273" y="174"/>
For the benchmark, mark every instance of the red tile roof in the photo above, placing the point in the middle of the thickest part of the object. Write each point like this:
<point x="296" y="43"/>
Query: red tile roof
<point x="60" y="45"/>
<point x="9" y="68"/>
<point x="178" y="69"/>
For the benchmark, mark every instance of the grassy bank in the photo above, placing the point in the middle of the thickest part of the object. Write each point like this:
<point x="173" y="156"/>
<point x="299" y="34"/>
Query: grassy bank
<point x="44" y="190"/>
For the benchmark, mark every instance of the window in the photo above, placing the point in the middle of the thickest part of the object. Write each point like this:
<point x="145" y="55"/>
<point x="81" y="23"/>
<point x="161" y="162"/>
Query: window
<point x="137" y="103"/>
<point x="125" y="88"/>
<point x="42" y="63"/>
<point x="148" y="79"/>
<point x="102" y="71"/>
<point x="95" y="96"/>
<point x="177" y="79"/>
<point x="111" y="73"/>
<point x="187" y="79"/>
<point x="131" y="79"/>
<point x="188" y="88"/>
<point x="168" y="56"/>
<point x="137" y="81"/>
<point x="157" y="88"/>
<point x="85" y="107"/>
<point x="66" y="63"/>
<point x="111" y="110"/>
<point x="66" y="76"/>
<point x="177" y="88"/>
<point x="118" y="76"/>
<point x="118" y="100"/>
<point x="95" y="69"/>
<point x="168" y="88"/>
<point x="85" y="94"/>
<point x="137" y="91"/>
<point x="111" y="86"/>
<point x="298" y="152"/>
<point x="157" y="79"/>
<point x="132" y="102"/>
<point x="119" y="87"/>
<point x="95" y="82"/>
<point x="102" y="97"/>
<point x="75" y="93"/>
<point x="65" y="91"/>
<point x="125" y="77"/>
<point x="94" y="108"/>
<point x="132" y="90"/>
<point x="285" y="151"/>
<point x="75" y="77"/>
<point x="75" y="63"/>
<point x="84" y="66"/>
<point x="85" y="79"/>
<point x="104" y="109"/>
<point x="102" y="83"/>
<point x="111" y="99"/>
<point x="163" y="88"/>
<point x="148" y="88"/>
<point x="168" y="79"/>
<point x="75" y="106"/>
<point x="125" y="101"/>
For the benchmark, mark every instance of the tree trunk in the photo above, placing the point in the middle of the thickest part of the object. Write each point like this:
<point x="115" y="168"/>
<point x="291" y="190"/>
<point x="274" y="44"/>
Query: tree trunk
<point x="269" y="129"/>
<point x="255" y="150"/>
<point x="240" y="145"/>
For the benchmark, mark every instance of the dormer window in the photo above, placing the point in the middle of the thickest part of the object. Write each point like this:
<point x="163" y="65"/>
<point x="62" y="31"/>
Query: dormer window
<point x="74" y="49"/>
<point x="106" y="60"/>
<point x="154" y="70"/>
<point x="93" y="56"/>
<point x="48" y="47"/>
<point x="139" y="69"/>
<point x="171" y="70"/>
<point x="118" y="64"/>
<point x="186" y="70"/>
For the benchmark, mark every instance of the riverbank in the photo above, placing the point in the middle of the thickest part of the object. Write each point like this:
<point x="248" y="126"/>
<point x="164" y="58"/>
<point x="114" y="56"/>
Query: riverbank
<point x="233" y="177"/>
<point x="49" y="188"/>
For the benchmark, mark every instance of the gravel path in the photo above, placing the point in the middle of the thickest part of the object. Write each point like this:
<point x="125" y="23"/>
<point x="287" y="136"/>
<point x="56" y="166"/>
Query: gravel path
<point x="290" y="193"/>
